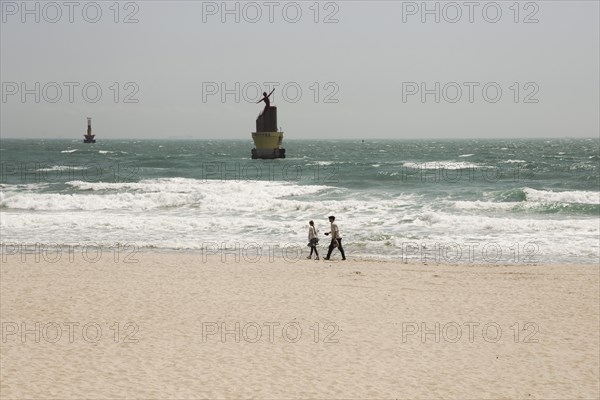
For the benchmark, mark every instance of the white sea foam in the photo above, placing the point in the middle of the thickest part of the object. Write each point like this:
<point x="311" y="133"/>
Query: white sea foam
<point x="24" y="187"/>
<point x="180" y="213"/>
<point x="466" y="155"/>
<point x="485" y="205"/>
<point x="322" y="163"/>
<point x="533" y="198"/>
<point x="443" y="165"/>
<point x="513" y="161"/>
<point x="574" y="196"/>
<point x="367" y="228"/>
<point x="61" y="168"/>
<point x="123" y="201"/>
<point x="220" y="196"/>
<point x="69" y="151"/>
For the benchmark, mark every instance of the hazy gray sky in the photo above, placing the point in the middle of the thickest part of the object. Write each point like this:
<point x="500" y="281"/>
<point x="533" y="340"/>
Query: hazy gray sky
<point x="361" y="75"/>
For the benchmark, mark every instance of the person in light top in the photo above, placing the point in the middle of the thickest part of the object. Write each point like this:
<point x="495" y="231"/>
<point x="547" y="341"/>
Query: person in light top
<point x="336" y="239"/>
<point x="313" y="240"/>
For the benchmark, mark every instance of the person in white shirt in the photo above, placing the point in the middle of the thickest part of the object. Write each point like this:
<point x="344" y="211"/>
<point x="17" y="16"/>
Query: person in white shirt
<point x="336" y="239"/>
<point x="313" y="240"/>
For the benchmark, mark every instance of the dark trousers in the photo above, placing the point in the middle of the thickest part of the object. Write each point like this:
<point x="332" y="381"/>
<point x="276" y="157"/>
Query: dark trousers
<point x="340" y="248"/>
<point x="313" y="249"/>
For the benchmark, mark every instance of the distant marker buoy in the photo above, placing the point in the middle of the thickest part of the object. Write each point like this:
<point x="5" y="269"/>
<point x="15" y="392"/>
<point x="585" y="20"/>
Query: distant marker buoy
<point x="89" y="138"/>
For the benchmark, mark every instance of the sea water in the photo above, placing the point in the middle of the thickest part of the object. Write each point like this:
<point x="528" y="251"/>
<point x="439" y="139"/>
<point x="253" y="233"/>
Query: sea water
<point x="458" y="201"/>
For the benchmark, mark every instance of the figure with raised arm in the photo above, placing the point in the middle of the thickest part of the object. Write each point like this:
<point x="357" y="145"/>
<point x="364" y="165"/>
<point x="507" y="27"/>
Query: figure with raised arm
<point x="266" y="99"/>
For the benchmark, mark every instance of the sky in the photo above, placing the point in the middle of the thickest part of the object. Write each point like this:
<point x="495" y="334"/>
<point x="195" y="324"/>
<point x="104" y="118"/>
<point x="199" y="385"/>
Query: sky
<point x="340" y="69"/>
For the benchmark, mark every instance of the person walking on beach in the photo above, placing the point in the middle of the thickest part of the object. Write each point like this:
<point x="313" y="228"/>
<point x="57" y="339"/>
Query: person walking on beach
<point x="313" y="240"/>
<point x="336" y="239"/>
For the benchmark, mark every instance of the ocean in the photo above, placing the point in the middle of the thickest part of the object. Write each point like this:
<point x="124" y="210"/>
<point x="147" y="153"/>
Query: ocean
<point x="454" y="201"/>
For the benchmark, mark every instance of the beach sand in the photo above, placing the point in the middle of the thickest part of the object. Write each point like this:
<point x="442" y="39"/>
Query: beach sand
<point x="307" y="329"/>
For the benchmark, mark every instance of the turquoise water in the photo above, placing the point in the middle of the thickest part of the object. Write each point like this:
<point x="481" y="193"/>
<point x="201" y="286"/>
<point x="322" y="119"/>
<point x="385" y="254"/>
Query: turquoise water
<point x="502" y="201"/>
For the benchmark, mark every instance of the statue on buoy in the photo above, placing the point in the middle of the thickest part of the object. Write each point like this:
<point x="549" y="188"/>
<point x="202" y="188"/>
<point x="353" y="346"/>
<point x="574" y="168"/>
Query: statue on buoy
<point x="267" y="139"/>
<point x="266" y="99"/>
<point x="89" y="138"/>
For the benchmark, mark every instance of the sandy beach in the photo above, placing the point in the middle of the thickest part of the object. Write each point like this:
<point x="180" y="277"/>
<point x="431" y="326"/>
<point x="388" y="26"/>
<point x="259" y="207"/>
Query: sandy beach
<point x="177" y="326"/>
<point x="166" y="168"/>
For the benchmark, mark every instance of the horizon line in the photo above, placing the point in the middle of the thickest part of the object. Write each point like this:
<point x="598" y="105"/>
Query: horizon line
<point x="314" y="139"/>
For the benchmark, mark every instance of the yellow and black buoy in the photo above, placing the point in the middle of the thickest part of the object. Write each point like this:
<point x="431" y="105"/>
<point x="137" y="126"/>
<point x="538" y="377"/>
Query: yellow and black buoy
<point x="267" y="139"/>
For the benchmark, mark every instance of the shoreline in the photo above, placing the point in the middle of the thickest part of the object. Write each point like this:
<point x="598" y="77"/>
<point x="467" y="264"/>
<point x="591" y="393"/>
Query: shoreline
<point x="171" y="326"/>
<point x="288" y="253"/>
